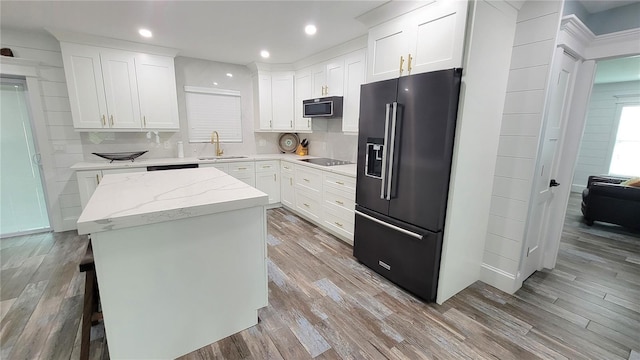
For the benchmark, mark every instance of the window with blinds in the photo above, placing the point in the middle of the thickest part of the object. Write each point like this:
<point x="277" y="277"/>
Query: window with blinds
<point x="213" y="109"/>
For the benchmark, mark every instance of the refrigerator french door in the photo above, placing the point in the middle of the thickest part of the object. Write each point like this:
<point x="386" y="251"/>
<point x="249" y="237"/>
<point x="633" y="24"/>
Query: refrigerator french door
<point x="405" y="145"/>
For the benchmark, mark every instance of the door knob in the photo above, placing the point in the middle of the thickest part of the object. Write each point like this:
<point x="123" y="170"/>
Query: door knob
<point x="553" y="183"/>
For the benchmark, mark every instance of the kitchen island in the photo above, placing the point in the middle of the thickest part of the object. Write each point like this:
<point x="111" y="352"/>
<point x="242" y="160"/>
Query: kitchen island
<point x="180" y="258"/>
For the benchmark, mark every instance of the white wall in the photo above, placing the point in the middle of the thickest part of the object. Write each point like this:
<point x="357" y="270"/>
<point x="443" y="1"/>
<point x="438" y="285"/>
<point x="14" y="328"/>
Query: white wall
<point x="600" y="131"/>
<point x="534" y="43"/>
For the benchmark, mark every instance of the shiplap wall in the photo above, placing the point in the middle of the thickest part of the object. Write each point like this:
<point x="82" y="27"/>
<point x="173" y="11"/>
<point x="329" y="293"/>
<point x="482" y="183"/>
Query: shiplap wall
<point x="65" y="142"/>
<point x="600" y="131"/>
<point x="534" y="43"/>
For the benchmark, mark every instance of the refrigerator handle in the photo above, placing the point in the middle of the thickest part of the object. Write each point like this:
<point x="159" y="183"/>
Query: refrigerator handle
<point x="384" y="152"/>
<point x="392" y="146"/>
<point x="396" y="228"/>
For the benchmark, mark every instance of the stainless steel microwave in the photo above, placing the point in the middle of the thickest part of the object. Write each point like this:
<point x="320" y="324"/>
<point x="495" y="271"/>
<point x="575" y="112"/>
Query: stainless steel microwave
<point x="328" y="107"/>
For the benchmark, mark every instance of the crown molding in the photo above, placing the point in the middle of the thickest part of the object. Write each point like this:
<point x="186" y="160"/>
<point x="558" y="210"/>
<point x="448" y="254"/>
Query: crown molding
<point x="575" y="37"/>
<point x="86" y="39"/>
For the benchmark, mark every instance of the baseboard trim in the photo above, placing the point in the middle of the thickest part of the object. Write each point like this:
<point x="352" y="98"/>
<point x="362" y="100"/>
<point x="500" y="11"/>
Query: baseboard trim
<point x="498" y="278"/>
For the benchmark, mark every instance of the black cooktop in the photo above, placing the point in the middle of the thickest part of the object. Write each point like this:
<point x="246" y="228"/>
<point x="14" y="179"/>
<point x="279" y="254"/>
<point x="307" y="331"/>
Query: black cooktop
<point x="327" y="161"/>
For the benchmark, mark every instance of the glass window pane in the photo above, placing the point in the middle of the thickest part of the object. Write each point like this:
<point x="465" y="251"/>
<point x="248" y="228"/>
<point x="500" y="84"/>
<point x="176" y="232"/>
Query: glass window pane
<point x="626" y="151"/>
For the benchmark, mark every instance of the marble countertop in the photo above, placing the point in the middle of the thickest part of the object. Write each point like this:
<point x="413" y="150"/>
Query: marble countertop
<point x="347" y="170"/>
<point x="134" y="199"/>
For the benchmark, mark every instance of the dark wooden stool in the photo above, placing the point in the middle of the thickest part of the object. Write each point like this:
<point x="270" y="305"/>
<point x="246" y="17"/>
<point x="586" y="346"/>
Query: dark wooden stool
<point x="90" y="312"/>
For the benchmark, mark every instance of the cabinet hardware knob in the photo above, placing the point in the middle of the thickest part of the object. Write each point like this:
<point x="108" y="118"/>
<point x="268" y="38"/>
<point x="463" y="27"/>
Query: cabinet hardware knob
<point x="111" y="117"/>
<point x="339" y="183"/>
<point x="337" y="223"/>
<point x="339" y="202"/>
<point x="409" y="64"/>
<point x="104" y="120"/>
<point x="401" y="64"/>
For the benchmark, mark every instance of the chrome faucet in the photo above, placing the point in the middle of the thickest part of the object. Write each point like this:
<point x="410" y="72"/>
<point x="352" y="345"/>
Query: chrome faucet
<point x="215" y="139"/>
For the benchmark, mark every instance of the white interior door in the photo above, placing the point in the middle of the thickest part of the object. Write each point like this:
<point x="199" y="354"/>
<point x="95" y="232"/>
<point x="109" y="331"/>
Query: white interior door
<point x="23" y="207"/>
<point x="561" y="88"/>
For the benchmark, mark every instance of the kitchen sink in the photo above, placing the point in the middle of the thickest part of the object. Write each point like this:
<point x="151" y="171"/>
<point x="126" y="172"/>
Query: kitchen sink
<point x="222" y="157"/>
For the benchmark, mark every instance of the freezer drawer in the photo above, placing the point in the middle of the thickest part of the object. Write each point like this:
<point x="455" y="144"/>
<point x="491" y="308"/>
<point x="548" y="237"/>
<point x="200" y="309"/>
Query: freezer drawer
<point x="406" y="255"/>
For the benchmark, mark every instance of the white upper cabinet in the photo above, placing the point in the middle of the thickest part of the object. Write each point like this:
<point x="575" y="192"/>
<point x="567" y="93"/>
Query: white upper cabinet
<point x="354" y="76"/>
<point x="303" y="90"/>
<point x="274" y="92"/>
<point x="427" y="39"/>
<point x="334" y="80"/>
<point x="157" y="90"/>
<point x="328" y="78"/>
<point x="282" y="100"/>
<point x="117" y="90"/>
<point x="121" y="89"/>
<point x="86" y="87"/>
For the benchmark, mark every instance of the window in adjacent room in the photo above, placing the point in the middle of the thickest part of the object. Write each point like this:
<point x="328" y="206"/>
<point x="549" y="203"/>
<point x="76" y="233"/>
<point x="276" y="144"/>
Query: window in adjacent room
<point x="213" y="109"/>
<point x="625" y="159"/>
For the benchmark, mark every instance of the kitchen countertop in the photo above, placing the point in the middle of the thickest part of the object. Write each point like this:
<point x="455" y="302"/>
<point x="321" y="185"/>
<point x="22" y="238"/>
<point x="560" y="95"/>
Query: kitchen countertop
<point x="133" y="199"/>
<point x="347" y="170"/>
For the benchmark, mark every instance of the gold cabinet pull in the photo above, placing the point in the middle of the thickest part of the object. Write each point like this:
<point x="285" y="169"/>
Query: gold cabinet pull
<point x="305" y="204"/>
<point x="401" y="64"/>
<point x="266" y="166"/>
<point x="98" y="179"/>
<point x="291" y="181"/>
<point x="337" y="223"/>
<point x="104" y="120"/>
<point x="339" y="183"/>
<point x="339" y="202"/>
<point x="326" y="90"/>
<point x="409" y="64"/>
<point x="307" y="180"/>
<point x="286" y="167"/>
<point x="144" y="120"/>
<point x="242" y="168"/>
<point x="111" y="118"/>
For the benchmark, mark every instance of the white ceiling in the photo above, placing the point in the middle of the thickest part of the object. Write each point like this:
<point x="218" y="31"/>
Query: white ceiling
<point x="596" y="6"/>
<point x="226" y="31"/>
<point x="618" y="70"/>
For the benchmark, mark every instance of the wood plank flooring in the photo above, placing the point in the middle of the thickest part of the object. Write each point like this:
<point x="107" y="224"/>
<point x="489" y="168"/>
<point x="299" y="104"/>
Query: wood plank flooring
<point x="323" y="304"/>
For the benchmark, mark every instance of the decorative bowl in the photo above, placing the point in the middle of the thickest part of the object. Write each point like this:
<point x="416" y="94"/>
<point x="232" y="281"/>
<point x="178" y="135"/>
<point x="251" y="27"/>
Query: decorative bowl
<point x="121" y="156"/>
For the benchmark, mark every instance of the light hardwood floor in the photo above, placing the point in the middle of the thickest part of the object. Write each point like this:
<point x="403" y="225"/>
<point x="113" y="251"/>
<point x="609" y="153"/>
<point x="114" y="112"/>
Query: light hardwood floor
<point x="323" y="304"/>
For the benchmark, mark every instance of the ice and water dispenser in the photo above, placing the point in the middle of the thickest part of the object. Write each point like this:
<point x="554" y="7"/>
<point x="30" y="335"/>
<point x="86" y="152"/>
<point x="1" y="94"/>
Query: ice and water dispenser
<point x="373" y="160"/>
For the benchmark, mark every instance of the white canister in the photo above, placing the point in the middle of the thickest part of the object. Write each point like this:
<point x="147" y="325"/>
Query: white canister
<point x="180" y="146"/>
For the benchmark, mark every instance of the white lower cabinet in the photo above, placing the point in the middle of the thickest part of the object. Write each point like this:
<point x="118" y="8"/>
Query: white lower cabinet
<point x="338" y="204"/>
<point x="268" y="179"/>
<point x="222" y="167"/>
<point x="243" y="171"/>
<point x="287" y="188"/>
<point x="89" y="180"/>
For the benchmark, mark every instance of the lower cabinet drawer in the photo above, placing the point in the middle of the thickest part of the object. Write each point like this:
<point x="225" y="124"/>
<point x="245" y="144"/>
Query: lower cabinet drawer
<point x="340" y="224"/>
<point x="308" y="205"/>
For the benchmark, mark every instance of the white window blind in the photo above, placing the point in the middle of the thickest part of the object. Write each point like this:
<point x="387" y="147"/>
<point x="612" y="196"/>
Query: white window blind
<point x="213" y="109"/>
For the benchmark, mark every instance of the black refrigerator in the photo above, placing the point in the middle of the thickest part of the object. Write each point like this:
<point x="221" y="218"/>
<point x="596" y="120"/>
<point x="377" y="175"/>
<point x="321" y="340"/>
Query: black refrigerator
<point x="405" y="145"/>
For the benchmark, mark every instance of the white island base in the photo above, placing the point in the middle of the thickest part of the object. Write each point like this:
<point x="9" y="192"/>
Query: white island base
<point x="180" y="258"/>
<point x="173" y="287"/>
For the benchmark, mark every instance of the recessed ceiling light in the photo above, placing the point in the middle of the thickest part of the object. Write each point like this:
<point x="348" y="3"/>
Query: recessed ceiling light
<point x="310" y="29"/>
<point x="215" y="83"/>
<point x="145" y="33"/>
<point x="229" y="74"/>
<point x="264" y="54"/>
